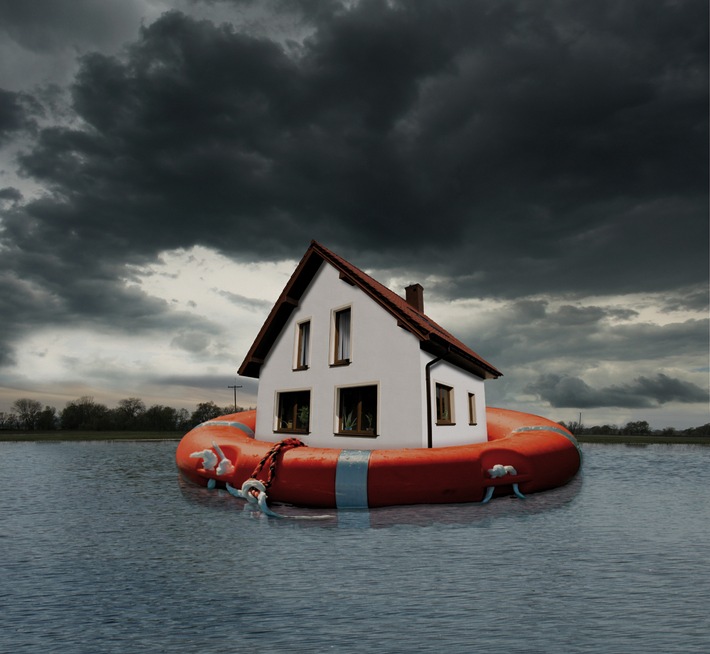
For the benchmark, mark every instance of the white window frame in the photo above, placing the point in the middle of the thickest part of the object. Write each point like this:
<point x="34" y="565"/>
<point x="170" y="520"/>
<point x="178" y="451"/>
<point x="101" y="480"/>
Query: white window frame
<point x="297" y="345"/>
<point x="277" y="400"/>
<point x="452" y="407"/>
<point x="337" y="416"/>
<point x="334" y="337"/>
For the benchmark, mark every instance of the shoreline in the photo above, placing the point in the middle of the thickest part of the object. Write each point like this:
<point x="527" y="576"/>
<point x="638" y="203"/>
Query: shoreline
<point x="649" y="439"/>
<point x="58" y="436"/>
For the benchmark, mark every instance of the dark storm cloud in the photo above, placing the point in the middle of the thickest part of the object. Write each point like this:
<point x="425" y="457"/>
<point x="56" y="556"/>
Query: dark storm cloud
<point x="249" y="303"/>
<point x="194" y="342"/>
<point x="210" y="381"/>
<point x="51" y="25"/>
<point x="644" y="392"/>
<point x="16" y="113"/>
<point x="543" y="146"/>
<point x="10" y="194"/>
<point x="532" y="334"/>
<point x="693" y="299"/>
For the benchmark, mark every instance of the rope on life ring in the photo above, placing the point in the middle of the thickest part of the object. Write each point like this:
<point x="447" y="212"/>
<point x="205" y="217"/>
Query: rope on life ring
<point x="253" y="490"/>
<point x="272" y="457"/>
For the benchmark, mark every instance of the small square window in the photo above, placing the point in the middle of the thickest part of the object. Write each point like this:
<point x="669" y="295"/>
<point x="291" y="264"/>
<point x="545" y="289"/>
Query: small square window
<point x="293" y="412"/>
<point x="444" y="405"/>
<point x="357" y="411"/>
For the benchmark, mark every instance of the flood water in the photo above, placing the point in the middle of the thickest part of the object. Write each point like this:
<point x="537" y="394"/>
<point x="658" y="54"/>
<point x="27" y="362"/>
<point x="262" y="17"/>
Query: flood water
<point x="103" y="549"/>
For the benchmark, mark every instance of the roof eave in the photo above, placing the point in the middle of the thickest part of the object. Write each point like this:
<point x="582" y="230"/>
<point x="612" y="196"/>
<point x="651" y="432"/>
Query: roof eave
<point x="461" y="359"/>
<point x="280" y="313"/>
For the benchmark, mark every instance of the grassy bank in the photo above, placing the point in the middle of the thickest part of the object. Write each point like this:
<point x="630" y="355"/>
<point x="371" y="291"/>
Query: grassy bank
<point x="46" y="436"/>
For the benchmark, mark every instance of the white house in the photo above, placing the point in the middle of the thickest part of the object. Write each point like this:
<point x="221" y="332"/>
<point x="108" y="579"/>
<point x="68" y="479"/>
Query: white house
<point x="344" y="362"/>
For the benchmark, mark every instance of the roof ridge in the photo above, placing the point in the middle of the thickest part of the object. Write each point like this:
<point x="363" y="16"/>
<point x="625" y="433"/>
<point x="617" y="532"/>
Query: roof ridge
<point x="417" y="322"/>
<point x="402" y="306"/>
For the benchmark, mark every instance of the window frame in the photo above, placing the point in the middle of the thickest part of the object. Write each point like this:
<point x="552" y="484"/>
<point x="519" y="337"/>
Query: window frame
<point x="302" y="354"/>
<point x="339" y="429"/>
<point x="336" y="337"/>
<point x="296" y="410"/>
<point x="447" y="405"/>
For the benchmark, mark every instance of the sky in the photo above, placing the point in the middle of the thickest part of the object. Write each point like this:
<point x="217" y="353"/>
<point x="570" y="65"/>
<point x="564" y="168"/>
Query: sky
<point x="539" y="166"/>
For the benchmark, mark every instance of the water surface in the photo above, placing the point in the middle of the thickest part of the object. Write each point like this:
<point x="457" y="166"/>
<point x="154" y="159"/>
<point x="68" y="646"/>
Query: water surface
<point x="103" y="549"/>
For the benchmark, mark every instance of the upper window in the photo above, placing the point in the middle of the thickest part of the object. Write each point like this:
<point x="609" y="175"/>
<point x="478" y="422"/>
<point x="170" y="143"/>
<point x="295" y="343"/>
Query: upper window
<point x="293" y="412"/>
<point x="303" y="338"/>
<point x="357" y="411"/>
<point x="444" y="405"/>
<point x="341" y="337"/>
<point x="472" y="409"/>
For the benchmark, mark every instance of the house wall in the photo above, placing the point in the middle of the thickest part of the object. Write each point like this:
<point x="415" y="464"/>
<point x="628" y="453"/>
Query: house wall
<point x="462" y="383"/>
<point x="382" y="353"/>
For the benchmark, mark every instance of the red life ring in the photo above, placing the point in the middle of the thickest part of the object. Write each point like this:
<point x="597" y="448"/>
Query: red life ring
<point x="541" y="453"/>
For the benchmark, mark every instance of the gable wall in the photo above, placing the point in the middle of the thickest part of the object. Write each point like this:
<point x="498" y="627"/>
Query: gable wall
<point x="382" y="353"/>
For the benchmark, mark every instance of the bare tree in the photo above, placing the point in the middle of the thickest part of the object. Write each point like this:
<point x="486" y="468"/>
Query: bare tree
<point x="27" y="412"/>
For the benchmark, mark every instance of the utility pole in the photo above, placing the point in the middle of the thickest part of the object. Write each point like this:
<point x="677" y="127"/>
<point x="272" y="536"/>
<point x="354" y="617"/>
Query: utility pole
<point x="235" y="387"/>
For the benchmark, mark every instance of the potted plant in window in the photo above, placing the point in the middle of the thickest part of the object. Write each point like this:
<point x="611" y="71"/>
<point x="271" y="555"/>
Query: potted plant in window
<point x="349" y="422"/>
<point x="303" y="415"/>
<point x="369" y="420"/>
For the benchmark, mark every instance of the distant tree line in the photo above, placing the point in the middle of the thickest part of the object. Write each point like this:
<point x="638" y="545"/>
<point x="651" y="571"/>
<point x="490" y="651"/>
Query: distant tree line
<point x="638" y="428"/>
<point x="131" y="414"/>
<point x="85" y="414"/>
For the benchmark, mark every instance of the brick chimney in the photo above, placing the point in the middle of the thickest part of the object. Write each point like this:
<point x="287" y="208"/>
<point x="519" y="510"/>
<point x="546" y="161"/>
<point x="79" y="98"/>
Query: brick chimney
<point x="415" y="296"/>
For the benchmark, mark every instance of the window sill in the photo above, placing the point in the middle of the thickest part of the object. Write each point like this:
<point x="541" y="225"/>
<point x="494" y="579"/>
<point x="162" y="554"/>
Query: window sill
<point x="337" y="364"/>
<point x="445" y="424"/>
<point x="357" y="434"/>
<point x="298" y="368"/>
<point x="302" y="432"/>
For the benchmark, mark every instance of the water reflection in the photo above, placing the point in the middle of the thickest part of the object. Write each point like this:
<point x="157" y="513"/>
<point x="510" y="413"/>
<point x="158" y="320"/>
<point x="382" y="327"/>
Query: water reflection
<point x="426" y="515"/>
<point x="104" y="550"/>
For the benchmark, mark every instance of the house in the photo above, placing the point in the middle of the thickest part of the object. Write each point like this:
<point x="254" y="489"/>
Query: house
<point x="344" y="362"/>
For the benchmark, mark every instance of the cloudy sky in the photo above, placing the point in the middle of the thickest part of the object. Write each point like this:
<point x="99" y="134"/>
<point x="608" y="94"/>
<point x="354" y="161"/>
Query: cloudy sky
<point x="539" y="166"/>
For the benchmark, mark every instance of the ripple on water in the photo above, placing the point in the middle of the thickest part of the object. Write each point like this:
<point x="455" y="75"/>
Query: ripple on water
<point x="105" y="549"/>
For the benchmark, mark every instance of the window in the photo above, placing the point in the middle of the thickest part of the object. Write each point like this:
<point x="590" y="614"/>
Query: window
<point x="357" y="411"/>
<point x="341" y="340"/>
<point x="444" y="405"/>
<point x="294" y="409"/>
<point x="472" y="409"/>
<point x="303" y="337"/>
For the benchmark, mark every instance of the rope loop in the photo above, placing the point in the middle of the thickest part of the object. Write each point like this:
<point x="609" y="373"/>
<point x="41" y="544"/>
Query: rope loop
<point x="272" y="458"/>
<point x="253" y="490"/>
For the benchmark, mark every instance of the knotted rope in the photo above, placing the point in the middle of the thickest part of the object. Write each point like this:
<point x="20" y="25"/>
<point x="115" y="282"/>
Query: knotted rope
<point x="272" y="456"/>
<point x="253" y="490"/>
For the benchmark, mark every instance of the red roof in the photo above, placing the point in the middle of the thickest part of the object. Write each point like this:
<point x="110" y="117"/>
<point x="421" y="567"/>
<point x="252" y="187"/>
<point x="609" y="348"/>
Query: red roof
<point x="433" y="338"/>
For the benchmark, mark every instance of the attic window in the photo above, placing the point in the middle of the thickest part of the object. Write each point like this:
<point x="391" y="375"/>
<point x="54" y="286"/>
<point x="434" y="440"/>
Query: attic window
<point x="341" y="337"/>
<point x="303" y="345"/>
<point x="293" y="412"/>
<point x="444" y="405"/>
<point x="357" y="411"/>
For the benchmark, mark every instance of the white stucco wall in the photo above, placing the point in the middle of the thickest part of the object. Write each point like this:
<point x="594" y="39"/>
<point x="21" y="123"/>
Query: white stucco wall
<point x="463" y="383"/>
<point x="382" y="354"/>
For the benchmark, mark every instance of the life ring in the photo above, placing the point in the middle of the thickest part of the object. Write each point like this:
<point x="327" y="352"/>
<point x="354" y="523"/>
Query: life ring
<point x="541" y="453"/>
